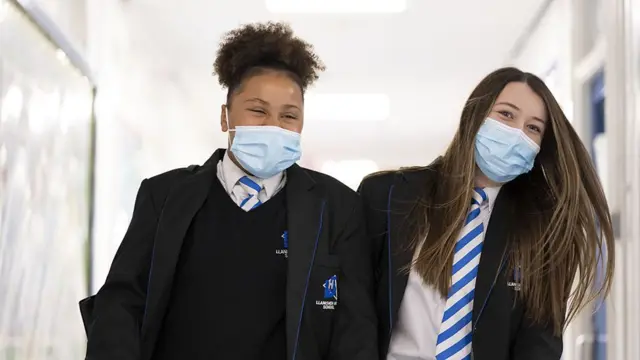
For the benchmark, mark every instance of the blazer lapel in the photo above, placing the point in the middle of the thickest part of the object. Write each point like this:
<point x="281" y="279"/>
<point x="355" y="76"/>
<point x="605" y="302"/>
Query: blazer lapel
<point x="493" y="256"/>
<point x="304" y="222"/>
<point x="181" y="205"/>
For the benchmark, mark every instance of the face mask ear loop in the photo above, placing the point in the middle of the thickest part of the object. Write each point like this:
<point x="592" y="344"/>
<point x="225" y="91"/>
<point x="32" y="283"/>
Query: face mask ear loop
<point x="229" y="129"/>
<point x="228" y="120"/>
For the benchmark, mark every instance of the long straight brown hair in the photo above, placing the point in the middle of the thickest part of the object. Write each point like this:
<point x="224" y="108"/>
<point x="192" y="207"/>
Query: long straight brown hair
<point x="561" y="227"/>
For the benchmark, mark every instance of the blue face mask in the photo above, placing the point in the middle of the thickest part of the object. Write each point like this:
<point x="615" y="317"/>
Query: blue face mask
<point x="264" y="151"/>
<point x="502" y="152"/>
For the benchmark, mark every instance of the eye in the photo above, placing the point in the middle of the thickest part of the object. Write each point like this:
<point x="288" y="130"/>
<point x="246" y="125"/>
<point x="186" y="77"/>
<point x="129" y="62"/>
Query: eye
<point x="507" y="114"/>
<point x="535" y="128"/>
<point x="257" y="111"/>
<point x="290" y="116"/>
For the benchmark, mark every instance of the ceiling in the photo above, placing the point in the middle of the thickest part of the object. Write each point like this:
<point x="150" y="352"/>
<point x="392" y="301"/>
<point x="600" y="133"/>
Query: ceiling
<point x="426" y="60"/>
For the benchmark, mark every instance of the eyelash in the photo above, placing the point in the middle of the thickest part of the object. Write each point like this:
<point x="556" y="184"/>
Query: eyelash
<point x="509" y="115"/>
<point x="259" y="111"/>
<point x="506" y="114"/>
<point x="535" y="128"/>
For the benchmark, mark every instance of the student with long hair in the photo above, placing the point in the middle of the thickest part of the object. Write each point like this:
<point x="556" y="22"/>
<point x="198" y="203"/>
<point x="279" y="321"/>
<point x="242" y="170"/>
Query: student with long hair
<point x="248" y="256"/>
<point x="491" y="250"/>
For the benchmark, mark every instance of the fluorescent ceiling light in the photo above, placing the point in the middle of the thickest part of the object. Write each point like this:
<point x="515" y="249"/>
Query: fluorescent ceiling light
<point x="336" y="6"/>
<point x="347" y="107"/>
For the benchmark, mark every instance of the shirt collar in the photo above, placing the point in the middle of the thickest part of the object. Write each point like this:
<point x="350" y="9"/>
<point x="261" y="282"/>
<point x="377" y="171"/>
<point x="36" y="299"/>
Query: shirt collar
<point x="492" y="195"/>
<point x="232" y="174"/>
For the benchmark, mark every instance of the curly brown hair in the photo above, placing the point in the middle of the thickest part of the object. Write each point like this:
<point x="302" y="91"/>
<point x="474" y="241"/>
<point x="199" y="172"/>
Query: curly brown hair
<point x="253" y="48"/>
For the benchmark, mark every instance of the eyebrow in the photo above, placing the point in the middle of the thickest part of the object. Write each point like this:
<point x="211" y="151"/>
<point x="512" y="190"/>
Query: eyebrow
<point x="256" y="99"/>
<point x="263" y="102"/>
<point x="518" y="109"/>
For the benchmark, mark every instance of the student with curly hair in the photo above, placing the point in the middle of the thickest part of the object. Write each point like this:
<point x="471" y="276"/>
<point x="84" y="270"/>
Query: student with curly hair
<point x="492" y="249"/>
<point x="248" y="256"/>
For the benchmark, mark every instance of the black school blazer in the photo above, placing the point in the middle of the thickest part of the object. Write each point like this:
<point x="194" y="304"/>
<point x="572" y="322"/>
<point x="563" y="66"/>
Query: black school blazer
<point x="502" y="332"/>
<point x="327" y="236"/>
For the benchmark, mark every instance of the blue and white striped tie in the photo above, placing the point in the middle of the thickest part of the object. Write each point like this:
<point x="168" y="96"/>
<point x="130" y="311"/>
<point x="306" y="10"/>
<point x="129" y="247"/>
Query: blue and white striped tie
<point x="252" y="189"/>
<point x="454" y="340"/>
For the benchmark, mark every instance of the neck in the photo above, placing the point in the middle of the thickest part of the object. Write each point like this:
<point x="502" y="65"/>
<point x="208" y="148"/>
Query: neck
<point x="482" y="181"/>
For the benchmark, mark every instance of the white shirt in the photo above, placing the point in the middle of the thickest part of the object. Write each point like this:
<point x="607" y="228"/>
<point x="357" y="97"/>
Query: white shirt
<point x="415" y="334"/>
<point x="229" y="174"/>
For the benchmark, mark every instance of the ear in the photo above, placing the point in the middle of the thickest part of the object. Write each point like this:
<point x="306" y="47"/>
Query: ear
<point x="224" y="124"/>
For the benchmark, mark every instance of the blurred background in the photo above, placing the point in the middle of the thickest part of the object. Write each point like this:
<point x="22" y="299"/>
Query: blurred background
<point x="96" y="95"/>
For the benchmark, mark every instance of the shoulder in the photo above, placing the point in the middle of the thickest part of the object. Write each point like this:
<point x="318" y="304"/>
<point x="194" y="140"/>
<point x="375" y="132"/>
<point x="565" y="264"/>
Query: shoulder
<point x="159" y="185"/>
<point x="342" y="202"/>
<point x="331" y="185"/>
<point x="168" y="177"/>
<point x="404" y="177"/>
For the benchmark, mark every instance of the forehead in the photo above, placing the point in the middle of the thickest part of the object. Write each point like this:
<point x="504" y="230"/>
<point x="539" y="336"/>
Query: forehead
<point x="524" y="98"/>
<point x="272" y="87"/>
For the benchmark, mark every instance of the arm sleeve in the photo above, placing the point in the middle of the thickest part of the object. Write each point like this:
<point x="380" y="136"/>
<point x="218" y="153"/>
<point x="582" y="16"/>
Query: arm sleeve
<point x="354" y="335"/>
<point x="374" y="205"/>
<point x="119" y="305"/>
<point x="536" y="342"/>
